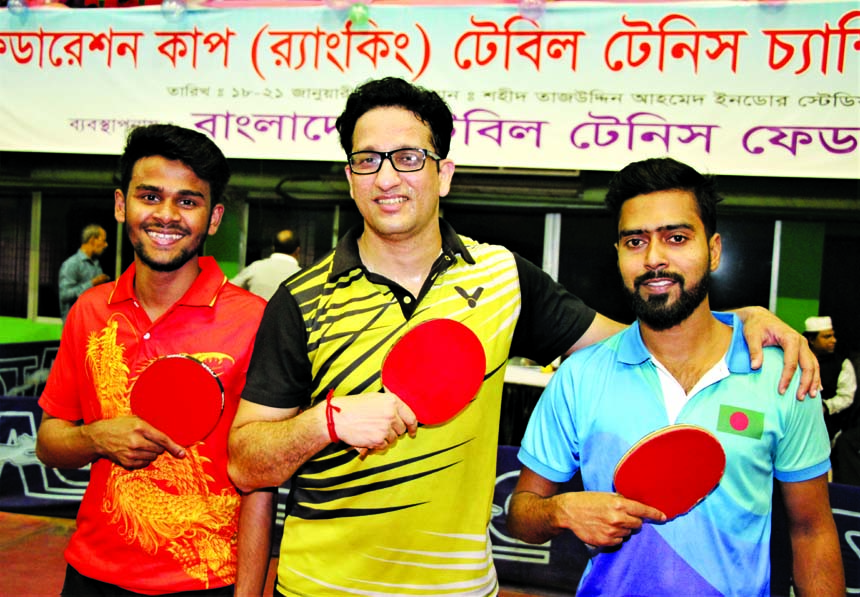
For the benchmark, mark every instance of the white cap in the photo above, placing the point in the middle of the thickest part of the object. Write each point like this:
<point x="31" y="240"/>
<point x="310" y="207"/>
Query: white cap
<point x="818" y="324"/>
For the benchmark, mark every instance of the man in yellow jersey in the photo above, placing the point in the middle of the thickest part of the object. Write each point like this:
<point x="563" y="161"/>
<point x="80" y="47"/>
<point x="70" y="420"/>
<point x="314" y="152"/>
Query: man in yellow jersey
<point x="377" y="505"/>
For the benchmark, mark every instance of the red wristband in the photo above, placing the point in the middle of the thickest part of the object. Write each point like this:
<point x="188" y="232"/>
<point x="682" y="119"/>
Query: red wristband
<point x="329" y="416"/>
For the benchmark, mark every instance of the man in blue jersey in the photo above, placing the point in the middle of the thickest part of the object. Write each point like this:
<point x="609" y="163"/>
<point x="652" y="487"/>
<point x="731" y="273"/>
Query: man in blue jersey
<point x="679" y="363"/>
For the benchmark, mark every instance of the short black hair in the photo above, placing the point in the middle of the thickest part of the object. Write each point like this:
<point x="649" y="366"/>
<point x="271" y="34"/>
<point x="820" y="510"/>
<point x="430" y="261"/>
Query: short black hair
<point x="192" y="148"/>
<point x="428" y="106"/>
<point x="664" y="174"/>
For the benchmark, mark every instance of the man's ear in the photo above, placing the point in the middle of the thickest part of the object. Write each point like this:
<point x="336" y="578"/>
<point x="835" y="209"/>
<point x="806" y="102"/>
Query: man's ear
<point x="446" y="173"/>
<point x="215" y="217"/>
<point x="119" y="206"/>
<point x="348" y="173"/>
<point x="715" y="245"/>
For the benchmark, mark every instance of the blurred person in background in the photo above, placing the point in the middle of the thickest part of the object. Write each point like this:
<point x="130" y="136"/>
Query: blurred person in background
<point x="265" y="275"/>
<point x="82" y="270"/>
<point x="838" y="379"/>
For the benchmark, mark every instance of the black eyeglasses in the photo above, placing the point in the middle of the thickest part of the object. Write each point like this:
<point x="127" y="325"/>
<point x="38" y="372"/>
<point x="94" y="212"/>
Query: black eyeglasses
<point x="404" y="160"/>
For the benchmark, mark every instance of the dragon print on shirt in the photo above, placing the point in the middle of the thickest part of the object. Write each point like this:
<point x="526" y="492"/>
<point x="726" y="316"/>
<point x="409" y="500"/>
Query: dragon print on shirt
<point x="167" y="505"/>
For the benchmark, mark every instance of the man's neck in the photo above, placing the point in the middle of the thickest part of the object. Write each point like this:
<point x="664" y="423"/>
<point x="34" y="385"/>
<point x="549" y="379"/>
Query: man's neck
<point x="691" y="348"/>
<point x="158" y="291"/>
<point x="407" y="262"/>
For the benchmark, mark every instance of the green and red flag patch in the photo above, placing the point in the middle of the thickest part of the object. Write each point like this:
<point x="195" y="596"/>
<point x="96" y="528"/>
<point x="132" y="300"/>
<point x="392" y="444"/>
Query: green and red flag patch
<point x="741" y="421"/>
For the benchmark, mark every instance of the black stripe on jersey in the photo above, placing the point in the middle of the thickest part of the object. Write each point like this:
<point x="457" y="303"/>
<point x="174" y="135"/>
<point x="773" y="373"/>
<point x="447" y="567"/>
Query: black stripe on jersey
<point x="305" y="492"/>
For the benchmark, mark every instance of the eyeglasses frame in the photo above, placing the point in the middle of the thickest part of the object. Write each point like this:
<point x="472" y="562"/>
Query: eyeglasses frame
<point x="386" y="155"/>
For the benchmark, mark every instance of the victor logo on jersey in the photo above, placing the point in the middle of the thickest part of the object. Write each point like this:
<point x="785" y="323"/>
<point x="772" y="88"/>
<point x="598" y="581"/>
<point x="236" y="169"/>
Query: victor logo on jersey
<point x="472" y="299"/>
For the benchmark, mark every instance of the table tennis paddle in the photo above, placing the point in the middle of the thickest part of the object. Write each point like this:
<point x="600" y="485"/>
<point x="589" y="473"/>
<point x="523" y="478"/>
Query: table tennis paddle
<point x="179" y="395"/>
<point x="436" y="368"/>
<point x="671" y="469"/>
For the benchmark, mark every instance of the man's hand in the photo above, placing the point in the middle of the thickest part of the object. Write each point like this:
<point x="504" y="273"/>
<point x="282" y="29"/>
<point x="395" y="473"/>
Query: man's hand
<point x="373" y="421"/>
<point x="537" y="513"/>
<point x="602" y="519"/>
<point x="100" y="279"/>
<point x="763" y="328"/>
<point x="130" y="442"/>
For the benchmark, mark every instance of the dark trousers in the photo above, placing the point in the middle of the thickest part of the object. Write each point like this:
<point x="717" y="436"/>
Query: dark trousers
<point x="78" y="585"/>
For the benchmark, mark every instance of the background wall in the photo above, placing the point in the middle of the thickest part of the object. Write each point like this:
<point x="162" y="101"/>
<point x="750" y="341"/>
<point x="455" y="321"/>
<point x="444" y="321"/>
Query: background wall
<point x="801" y="261"/>
<point x="816" y="224"/>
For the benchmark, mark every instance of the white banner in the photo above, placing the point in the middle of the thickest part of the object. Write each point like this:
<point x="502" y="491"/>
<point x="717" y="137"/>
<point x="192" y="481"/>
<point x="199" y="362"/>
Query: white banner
<point x="749" y="88"/>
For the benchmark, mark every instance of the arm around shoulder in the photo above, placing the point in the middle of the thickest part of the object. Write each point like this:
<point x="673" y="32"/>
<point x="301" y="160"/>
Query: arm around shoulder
<point x="601" y="328"/>
<point x="763" y="328"/>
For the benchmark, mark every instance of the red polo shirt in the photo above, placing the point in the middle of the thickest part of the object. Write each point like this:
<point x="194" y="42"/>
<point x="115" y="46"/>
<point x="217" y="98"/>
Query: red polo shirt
<point x="171" y="526"/>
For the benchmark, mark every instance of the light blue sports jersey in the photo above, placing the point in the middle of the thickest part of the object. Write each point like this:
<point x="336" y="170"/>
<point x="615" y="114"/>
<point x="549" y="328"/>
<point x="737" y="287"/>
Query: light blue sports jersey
<point x="603" y="399"/>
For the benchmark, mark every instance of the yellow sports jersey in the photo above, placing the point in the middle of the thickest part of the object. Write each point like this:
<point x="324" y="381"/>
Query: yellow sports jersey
<point x="411" y="520"/>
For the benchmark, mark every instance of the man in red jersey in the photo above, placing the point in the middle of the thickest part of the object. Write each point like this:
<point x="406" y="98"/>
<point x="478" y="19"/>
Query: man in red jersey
<point x="157" y="518"/>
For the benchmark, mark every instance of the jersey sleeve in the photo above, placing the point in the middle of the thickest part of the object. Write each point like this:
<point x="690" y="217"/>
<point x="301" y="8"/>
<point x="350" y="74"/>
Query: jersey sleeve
<point x="551" y="320"/>
<point x="279" y="374"/>
<point x="550" y="445"/>
<point x="804" y="450"/>
<point x="61" y="398"/>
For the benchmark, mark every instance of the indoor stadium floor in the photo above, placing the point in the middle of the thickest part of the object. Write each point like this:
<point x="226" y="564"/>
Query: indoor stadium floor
<point x="31" y="549"/>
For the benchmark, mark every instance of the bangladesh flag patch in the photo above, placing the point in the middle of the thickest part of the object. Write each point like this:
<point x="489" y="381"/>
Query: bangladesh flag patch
<point x="741" y="421"/>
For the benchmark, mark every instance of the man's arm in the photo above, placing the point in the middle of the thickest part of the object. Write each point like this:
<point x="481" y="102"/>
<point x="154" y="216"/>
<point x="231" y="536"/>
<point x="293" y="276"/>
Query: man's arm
<point x="817" y="561"/>
<point x="267" y="445"/>
<point x="538" y="513"/>
<point x="255" y="542"/>
<point x="129" y="442"/>
<point x="763" y="328"/>
<point x="601" y="327"/>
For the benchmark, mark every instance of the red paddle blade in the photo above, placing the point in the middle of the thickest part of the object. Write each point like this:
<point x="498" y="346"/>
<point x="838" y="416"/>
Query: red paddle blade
<point x="672" y="469"/>
<point x="436" y="368"/>
<point x="179" y="395"/>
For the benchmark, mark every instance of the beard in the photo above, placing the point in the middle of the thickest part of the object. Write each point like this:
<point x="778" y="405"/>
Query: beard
<point x="656" y="312"/>
<point x="180" y="259"/>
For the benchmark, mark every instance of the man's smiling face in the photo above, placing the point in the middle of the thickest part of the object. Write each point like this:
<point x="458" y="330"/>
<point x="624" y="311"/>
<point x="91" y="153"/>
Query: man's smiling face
<point x="167" y="213"/>
<point x="665" y="257"/>
<point x="397" y="205"/>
